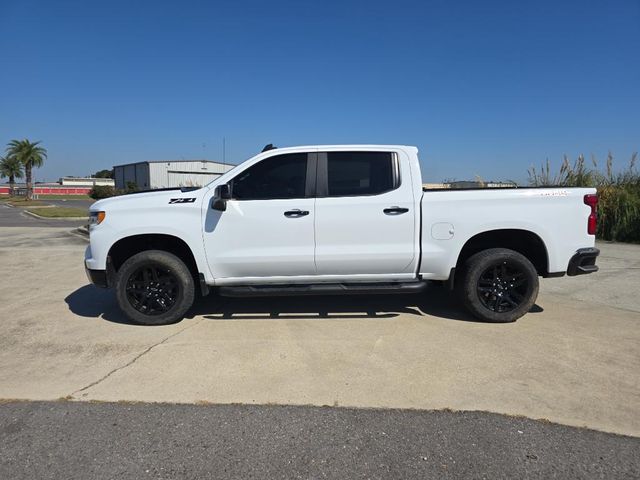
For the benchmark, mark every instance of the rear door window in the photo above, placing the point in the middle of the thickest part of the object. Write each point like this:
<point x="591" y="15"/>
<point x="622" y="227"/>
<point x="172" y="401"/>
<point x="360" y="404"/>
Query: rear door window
<point x="360" y="173"/>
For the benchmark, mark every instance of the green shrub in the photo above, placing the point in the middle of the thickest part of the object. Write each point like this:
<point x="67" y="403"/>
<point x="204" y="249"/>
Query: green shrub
<point x="619" y="205"/>
<point x="131" y="187"/>
<point x="102" y="191"/>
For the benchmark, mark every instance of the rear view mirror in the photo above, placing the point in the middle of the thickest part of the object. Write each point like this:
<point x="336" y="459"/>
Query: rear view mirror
<point x="221" y="195"/>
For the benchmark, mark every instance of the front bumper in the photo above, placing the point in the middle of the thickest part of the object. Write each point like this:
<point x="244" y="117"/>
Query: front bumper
<point x="97" y="277"/>
<point x="583" y="262"/>
<point x="100" y="277"/>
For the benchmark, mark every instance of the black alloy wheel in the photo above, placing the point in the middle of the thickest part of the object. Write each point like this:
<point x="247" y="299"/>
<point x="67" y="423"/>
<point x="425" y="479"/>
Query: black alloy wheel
<point x="152" y="289"/>
<point x="502" y="287"/>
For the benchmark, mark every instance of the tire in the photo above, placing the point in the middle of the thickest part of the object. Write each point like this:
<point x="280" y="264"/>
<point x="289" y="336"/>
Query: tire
<point x="498" y="285"/>
<point x="154" y="287"/>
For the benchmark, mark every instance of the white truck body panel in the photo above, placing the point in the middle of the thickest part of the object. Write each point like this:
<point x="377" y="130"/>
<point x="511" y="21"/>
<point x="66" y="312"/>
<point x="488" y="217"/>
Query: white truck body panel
<point x="274" y="245"/>
<point x="146" y="213"/>
<point x="557" y="216"/>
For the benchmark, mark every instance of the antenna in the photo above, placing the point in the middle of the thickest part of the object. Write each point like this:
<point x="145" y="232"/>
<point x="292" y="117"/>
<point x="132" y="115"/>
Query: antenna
<point x="224" y="150"/>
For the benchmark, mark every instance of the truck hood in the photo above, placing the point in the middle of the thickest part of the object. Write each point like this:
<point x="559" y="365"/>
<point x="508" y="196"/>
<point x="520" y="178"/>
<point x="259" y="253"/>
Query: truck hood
<point x="147" y="198"/>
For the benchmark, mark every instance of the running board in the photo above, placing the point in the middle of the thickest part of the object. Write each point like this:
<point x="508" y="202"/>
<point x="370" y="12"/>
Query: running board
<point x="322" y="289"/>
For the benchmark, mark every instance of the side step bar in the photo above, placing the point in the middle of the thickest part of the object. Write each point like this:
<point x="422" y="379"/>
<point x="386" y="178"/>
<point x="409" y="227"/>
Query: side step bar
<point x="322" y="289"/>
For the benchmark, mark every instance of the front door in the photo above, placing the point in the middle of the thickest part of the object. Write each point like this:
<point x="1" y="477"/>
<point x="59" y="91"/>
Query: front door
<point x="267" y="230"/>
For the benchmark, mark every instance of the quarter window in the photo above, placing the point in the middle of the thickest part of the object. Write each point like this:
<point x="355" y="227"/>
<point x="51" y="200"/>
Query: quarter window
<point x="281" y="176"/>
<point x="360" y="173"/>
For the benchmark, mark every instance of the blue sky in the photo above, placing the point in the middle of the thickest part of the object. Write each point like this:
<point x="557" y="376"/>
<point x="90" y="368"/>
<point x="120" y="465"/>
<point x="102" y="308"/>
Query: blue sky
<point x="482" y="88"/>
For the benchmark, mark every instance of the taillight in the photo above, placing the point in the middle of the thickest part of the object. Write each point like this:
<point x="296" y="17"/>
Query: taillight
<point x="591" y="199"/>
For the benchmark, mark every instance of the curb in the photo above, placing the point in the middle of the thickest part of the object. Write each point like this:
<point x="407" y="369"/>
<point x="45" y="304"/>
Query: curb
<point x="31" y="206"/>
<point x="53" y="218"/>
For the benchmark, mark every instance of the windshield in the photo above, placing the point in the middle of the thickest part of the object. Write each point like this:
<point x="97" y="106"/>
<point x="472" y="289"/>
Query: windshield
<point x="233" y="167"/>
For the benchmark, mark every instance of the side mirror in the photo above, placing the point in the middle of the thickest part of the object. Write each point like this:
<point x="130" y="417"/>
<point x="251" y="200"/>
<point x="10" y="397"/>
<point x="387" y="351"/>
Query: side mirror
<point x="221" y="195"/>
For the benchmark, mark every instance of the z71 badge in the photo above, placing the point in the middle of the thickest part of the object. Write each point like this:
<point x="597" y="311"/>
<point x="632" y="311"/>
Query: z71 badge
<point x="182" y="200"/>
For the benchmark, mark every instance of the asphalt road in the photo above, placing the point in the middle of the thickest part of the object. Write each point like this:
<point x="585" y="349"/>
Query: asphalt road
<point x="53" y="440"/>
<point x="70" y="202"/>
<point x="15" y="217"/>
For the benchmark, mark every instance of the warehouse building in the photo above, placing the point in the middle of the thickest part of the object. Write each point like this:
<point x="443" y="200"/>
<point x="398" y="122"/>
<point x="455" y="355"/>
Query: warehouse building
<point x="86" y="182"/>
<point x="165" y="174"/>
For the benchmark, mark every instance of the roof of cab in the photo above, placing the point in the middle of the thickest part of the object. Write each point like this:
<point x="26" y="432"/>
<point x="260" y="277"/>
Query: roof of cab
<point x="343" y="147"/>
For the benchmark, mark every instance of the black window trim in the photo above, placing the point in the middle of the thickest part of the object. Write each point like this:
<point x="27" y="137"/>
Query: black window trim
<point x="322" y="183"/>
<point x="311" y="178"/>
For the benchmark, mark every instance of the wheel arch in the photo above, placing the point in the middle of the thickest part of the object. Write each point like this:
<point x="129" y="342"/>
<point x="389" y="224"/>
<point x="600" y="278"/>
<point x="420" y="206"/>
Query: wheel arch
<point x="128" y="246"/>
<point x="522" y="241"/>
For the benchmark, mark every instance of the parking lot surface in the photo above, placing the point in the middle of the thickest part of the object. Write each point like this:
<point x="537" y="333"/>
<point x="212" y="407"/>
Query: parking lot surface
<point x="573" y="360"/>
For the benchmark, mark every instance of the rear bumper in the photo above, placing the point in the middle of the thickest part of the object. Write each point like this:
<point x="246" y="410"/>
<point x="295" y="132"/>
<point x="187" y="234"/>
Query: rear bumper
<point x="583" y="262"/>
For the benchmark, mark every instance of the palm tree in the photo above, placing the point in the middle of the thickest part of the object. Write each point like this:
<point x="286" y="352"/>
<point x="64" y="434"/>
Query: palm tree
<point x="11" y="168"/>
<point x="30" y="155"/>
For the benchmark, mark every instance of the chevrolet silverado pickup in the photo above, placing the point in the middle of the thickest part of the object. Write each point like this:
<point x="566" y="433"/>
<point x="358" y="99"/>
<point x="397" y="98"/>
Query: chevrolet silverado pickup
<point x="343" y="219"/>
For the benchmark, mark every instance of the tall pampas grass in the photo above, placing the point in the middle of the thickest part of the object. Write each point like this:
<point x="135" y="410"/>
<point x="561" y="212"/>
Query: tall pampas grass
<point x="619" y="193"/>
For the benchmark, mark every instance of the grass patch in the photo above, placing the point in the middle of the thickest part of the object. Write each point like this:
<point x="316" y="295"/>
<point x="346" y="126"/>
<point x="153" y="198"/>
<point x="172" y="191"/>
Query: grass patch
<point x="60" y="212"/>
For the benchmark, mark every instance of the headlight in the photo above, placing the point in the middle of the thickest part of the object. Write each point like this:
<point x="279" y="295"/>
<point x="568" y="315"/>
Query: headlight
<point x="96" y="218"/>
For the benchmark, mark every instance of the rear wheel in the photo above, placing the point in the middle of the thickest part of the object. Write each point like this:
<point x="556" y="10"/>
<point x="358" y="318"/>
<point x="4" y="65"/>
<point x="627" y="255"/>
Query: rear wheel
<point x="154" y="288"/>
<point x="498" y="285"/>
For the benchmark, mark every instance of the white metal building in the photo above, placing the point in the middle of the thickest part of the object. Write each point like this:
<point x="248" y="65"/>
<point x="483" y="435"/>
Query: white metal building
<point x="174" y="173"/>
<point x="85" y="181"/>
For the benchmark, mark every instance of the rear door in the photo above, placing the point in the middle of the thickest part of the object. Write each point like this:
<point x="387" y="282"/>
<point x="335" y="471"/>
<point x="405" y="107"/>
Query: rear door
<point x="365" y="215"/>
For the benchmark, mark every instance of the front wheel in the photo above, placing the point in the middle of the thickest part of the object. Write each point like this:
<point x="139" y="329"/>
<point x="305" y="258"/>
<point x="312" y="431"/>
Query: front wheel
<point x="154" y="288"/>
<point x="498" y="285"/>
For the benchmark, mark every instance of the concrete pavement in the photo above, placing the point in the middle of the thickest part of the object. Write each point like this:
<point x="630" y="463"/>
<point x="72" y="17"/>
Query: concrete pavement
<point x="573" y="360"/>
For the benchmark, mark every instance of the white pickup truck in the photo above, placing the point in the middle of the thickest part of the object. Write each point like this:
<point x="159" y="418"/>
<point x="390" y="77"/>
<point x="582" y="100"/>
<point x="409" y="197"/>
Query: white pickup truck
<point x="333" y="220"/>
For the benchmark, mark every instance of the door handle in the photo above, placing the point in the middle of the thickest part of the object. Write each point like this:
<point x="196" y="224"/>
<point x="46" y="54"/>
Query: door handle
<point x="395" y="210"/>
<point x="295" y="213"/>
